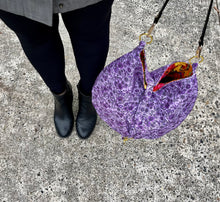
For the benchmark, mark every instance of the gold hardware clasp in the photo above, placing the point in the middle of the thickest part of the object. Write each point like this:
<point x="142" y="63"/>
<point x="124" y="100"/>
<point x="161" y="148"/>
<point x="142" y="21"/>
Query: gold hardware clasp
<point x="148" y="35"/>
<point x="126" y="139"/>
<point x="202" y="58"/>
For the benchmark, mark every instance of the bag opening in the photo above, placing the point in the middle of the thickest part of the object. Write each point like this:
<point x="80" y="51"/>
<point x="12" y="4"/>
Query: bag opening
<point x="143" y="61"/>
<point x="175" y="71"/>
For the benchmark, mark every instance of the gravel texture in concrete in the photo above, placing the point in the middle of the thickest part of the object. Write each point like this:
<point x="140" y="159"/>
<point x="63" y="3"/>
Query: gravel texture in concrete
<point x="37" y="165"/>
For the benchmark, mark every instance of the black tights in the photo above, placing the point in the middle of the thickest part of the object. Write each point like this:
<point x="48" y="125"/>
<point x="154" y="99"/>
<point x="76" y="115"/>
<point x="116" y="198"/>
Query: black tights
<point x="88" y="29"/>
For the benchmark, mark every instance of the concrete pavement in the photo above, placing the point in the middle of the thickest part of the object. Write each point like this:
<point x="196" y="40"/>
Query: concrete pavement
<point x="36" y="165"/>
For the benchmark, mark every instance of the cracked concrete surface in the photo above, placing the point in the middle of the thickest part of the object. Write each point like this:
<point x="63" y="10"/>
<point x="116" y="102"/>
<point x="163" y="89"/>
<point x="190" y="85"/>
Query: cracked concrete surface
<point x="36" y="165"/>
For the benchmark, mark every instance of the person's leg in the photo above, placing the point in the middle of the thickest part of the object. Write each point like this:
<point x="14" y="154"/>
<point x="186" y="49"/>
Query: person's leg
<point x="42" y="46"/>
<point x="44" y="49"/>
<point x="89" y="32"/>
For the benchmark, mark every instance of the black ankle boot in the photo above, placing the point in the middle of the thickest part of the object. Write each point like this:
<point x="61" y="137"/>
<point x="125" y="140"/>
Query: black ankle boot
<point x="63" y="113"/>
<point x="86" y="117"/>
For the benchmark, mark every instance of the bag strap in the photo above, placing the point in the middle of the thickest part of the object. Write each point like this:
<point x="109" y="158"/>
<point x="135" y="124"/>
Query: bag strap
<point x="156" y="19"/>
<point x="199" y="49"/>
<point x="198" y="52"/>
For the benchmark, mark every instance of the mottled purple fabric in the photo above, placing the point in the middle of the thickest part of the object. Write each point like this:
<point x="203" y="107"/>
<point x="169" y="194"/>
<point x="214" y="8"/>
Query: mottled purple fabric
<point x="122" y="102"/>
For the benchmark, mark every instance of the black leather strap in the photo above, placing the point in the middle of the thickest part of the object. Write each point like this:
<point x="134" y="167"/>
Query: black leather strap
<point x="205" y="25"/>
<point x="156" y="19"/>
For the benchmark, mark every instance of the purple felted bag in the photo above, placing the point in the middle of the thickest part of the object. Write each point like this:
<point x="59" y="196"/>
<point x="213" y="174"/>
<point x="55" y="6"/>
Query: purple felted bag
<point x="141" y="104"/>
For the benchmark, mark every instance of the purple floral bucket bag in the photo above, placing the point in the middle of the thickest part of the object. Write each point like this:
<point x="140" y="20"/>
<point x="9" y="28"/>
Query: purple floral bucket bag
<point x="121" y="100"/>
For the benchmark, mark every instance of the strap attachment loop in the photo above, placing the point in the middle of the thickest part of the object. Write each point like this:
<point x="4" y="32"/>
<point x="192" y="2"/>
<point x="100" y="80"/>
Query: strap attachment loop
<point x="198" y="52"/>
